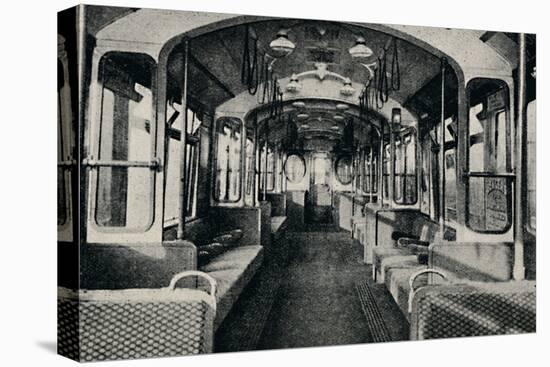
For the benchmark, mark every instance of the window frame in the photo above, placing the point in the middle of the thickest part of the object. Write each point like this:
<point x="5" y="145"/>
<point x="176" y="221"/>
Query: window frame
<point x="370" y="176"/>
<point x="302" y="159"/>
<point x="414" y="140"/>
<point x="242" y="154"/>
<point x="66" y="162"/>
<point x="528" y="223"/>
<point x="193" y="140"/>
<point x="351" y="159"/>
<point x="508" y="175"/>
<point x="93" y="165"/>
<point x="264" y="175"/>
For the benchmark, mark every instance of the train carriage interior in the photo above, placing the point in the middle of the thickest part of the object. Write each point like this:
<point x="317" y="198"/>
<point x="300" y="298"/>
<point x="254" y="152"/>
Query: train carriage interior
<point x="322" y="182"/>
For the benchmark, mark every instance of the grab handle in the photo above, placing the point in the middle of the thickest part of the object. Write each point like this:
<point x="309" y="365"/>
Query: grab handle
<point x="190" y="273"/>
<point x="416" y="275"/>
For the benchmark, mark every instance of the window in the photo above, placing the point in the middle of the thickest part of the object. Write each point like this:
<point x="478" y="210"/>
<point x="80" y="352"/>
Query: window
<point x="450" y="170"/>
<point x="250" y="171"/>
<point x="386" y="172"/>
<point x="344" y="170"/>
<point x="531" y="165"/>
<point x="65" y="146"/>
<point x="228" y="145"/>
<point x="295" y="168"/>
<point x="267" y="169"/>
<point x="125" y="158"/>
<point x="370" y="166"/>
<point x="490" y="175"/>
<point x="174" y="128"/>
<point x="426" y="189"/>
<point x="405" y="183"/>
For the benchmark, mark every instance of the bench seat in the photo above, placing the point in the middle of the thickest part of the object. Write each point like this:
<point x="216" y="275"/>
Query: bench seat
<point x="232" y="271"/>
<point x="385" y="257"/>
<point x="278" y="227"/>
<point x="397" y="283"/>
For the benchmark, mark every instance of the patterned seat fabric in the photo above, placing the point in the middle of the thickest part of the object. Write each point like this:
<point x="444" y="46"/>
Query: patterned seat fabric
<point x="135" y="323"/>
<point x="233" y="270"/>
<point x="474" y="309"/>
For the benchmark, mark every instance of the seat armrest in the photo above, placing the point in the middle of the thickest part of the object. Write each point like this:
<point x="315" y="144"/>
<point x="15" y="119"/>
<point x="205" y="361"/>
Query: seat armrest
<point x="409" y="242"/>
<point x="397" y="235"/>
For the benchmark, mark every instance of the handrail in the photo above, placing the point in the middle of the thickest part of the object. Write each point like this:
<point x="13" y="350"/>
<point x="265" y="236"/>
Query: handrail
<point x="189" y="273"/>
<point x="416" y="275"/>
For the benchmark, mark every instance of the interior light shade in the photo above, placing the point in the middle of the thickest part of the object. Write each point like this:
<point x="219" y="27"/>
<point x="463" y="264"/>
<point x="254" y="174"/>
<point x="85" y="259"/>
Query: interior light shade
<point x="347" y="89"/>
<point x="294" y="85"/>
<point x="396" y="116"/>
<point x="360" y="50"/>
<point x="298" y="104"/>
<point x="281" y="45"/>
<point x="302" y="116"/>
<point x="342" y="106"/>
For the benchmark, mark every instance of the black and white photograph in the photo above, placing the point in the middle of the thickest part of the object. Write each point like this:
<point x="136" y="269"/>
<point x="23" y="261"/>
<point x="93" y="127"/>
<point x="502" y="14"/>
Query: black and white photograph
<point x="236" y="183"/>
<point x="239" y="181"/>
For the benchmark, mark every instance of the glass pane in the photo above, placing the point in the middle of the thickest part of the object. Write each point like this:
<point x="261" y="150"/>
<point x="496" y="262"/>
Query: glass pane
<point x="249" y="180"/>
<point x="191" y="177"/>
<point x="171" y="202"/>
<point x="124" y="196"/>
<point x="321" y="170"/>
<point x="61" y="197"/>
<point x="450" y="185"/>
<point x="477" y="146"/>
<point x="386" y="171"/>
<point x="489" y="204"/>
<point x="425" y="184"/>
<point x="344" y="170"/>
<point x="228" y="160"/>
<point x="500" y="142"/>
<point x="405" y="169"/>
<point x="531" y="163"/>
<point x="295" y="168"/>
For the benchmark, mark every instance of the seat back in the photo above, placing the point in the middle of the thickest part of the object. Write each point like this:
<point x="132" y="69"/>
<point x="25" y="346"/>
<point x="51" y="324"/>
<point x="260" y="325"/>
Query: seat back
<point x="473" y="261"/>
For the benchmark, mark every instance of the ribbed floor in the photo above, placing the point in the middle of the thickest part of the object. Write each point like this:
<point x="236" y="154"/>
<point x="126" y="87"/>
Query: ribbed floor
<point x="377" y="326"/>
<point x="320" y="297"/>
<point x="317" y="304"/>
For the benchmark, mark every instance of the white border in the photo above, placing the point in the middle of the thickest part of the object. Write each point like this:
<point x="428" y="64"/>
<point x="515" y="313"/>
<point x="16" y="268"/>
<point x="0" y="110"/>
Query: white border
<point x="28" y="266"/>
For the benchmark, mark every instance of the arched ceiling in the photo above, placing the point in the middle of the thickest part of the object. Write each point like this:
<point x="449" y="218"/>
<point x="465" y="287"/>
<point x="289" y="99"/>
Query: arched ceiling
<point x="217" y="41"/>
<point x="219" y="54"/>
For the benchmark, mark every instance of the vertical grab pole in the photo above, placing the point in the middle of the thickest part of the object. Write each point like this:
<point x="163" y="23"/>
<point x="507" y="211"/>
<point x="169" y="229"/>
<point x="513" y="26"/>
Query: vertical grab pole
<point x="256" y="162"/>
<point x="381" y="166"/>
<point x="442" y="152"/>
<point x="371" y="178"/>
<point x="183" y="146"/>
<point x="520" y="199"/>
<point x="264" y="191"/>
<point x="391" y="191"/>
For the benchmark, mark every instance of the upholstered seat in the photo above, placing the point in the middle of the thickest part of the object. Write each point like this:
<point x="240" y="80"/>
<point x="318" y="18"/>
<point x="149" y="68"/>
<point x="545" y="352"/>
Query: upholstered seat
<point x="232" y="271"/>
<point x="397" y="283"/>
<point x="390" y="256"/>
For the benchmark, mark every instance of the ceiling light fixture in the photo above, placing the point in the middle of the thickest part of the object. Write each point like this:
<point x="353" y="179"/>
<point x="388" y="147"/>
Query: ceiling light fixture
<point x="342" y="106"/>
<point x="281" y="45"/>
<point x="347" y="90"/>
<point x="360" y="50"/>
<point x="298" y="104"/>
<point x="396" y="116"/>
<point x="294" y="85"/>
